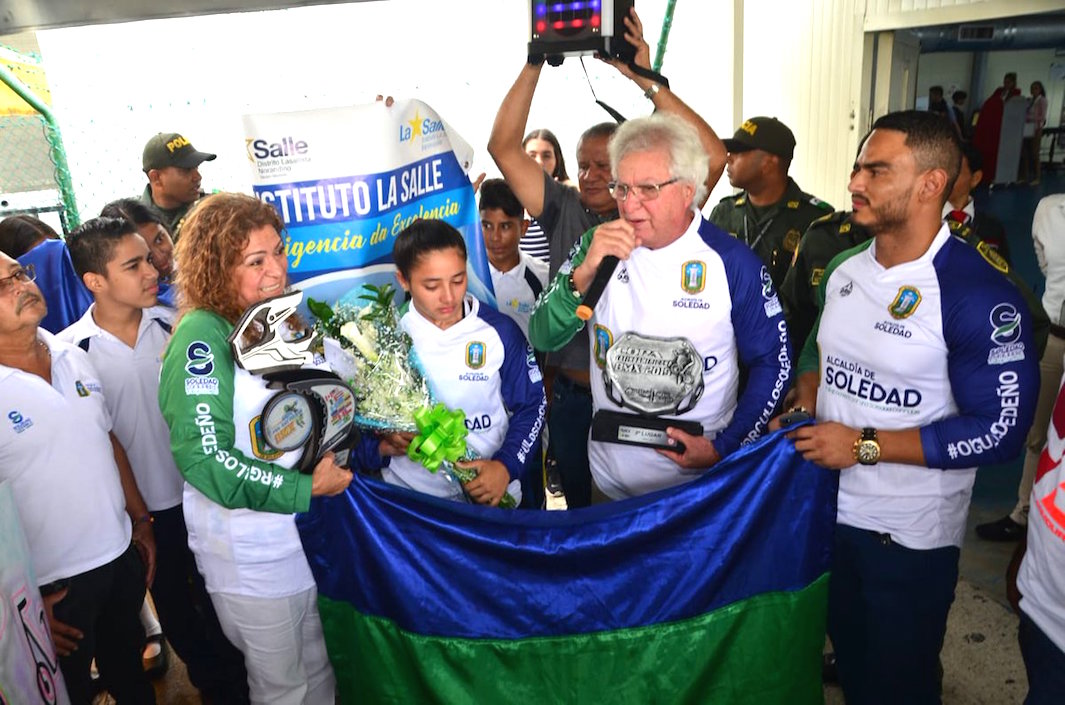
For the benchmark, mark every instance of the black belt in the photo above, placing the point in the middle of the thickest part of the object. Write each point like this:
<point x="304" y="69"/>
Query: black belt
<point x="1057" y="331"/>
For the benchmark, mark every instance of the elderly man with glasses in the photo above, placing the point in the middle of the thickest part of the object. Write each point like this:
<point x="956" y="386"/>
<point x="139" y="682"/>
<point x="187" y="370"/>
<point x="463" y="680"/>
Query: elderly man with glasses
<point x="88" y="530"/>
<point x="564" y="213"/>
<point x="663" y="339"/>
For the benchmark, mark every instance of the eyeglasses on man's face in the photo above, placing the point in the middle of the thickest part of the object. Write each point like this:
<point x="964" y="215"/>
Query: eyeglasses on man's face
<point x="21" y="276"/>
<point x="643" y="192"/>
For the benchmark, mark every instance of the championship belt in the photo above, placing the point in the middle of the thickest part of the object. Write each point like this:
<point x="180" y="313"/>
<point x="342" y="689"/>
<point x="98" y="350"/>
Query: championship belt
<point x="314" y="409"/>
<point x="655" y="377"/>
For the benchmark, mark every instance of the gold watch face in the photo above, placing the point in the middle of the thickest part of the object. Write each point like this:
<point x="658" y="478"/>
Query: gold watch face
<point x="868" y="452"/>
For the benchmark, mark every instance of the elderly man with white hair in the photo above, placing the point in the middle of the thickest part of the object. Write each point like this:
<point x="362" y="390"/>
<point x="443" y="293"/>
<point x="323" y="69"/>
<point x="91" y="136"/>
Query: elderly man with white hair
<point x="664" y="346"/>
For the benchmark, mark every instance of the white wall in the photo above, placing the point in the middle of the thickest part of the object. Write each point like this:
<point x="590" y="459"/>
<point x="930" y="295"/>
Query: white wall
<point x="114" y="86"/>
<point x="951" y="68"/>
<point x="802" y="63"/>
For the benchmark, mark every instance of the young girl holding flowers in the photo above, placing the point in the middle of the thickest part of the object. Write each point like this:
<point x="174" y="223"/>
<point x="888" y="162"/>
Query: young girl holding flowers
<point x="475" y="359"/>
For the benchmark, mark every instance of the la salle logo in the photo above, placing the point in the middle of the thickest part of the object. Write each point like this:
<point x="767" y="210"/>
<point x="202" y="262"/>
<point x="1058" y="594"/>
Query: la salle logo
<point x="409" y="129"/>
<point x="693" y="276"/>
<point x="905" y="303"/>
<point x="475" y="355"/>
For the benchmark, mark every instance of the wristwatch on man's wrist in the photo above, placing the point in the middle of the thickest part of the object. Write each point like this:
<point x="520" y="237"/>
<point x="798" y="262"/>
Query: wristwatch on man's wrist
<point x="867" y="447"/>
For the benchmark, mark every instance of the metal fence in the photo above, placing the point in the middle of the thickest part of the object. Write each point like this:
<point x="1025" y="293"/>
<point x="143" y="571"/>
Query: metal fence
<point x="34" y="176"/>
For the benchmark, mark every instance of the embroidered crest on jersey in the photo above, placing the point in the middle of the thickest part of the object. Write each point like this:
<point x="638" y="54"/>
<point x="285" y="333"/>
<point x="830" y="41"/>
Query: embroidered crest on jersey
<point x="1005" y="334"/>
<point x="905" y="303"/>
<point x="693" y="276"/>
<point x="603" y="340"/>
<point x="992" y="256"/>
<point x="772" y="303"/>
<point x="200" y="364"/>
<point x="80" y="389"/>
<point x="519" y="306"/>
<point x="844" y="228"/>
<point x="475" y="355"/>
<point x="816" y="275"/>
<point x="259" y="448"/>
<point x="791" y="240"/>
<point x="200" y="359"/>
<point x="19" y="423"/>
<point x="793" y="204"/>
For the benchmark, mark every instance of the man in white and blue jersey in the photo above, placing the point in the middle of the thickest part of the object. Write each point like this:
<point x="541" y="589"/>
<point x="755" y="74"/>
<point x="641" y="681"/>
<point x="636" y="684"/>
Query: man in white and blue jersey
<point x="685" y="282"/>
<point x="921" y="367"/>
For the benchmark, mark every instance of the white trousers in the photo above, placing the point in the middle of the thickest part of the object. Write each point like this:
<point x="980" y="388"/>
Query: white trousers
<point x="283" y="646"/>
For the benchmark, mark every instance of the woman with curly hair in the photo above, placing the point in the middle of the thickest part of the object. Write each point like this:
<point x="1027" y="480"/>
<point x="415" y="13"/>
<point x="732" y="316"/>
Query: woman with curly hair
<point x="240" y="494"/>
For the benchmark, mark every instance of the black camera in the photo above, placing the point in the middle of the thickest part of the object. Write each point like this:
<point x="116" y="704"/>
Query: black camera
<point x="562" y="28"/>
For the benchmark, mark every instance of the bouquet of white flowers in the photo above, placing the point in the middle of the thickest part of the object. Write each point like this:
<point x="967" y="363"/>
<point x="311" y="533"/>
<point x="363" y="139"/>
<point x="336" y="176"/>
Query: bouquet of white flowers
<point x="368" y="349"/>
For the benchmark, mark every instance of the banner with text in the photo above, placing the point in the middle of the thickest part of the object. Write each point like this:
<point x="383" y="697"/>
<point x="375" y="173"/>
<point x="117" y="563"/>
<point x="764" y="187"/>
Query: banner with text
<point x="347" y="181"/>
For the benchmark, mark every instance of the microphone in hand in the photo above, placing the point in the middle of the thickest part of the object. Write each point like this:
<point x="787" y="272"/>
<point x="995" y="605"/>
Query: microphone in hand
<point x="602" y="277"/>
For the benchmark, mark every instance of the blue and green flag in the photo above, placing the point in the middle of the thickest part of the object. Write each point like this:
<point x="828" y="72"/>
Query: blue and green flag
<point x="713" y="592"/>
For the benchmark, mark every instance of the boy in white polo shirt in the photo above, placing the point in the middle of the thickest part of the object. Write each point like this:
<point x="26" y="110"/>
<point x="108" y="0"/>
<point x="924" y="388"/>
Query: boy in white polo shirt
<point x="517" y="277"/>
<point x="124" y="333"/>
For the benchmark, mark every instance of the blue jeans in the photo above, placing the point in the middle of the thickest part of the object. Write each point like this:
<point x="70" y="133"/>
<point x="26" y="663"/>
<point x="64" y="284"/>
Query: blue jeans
<point x="568" y="424"/>
<point x="1044" y="662"/>
<point x="887" y="615"/>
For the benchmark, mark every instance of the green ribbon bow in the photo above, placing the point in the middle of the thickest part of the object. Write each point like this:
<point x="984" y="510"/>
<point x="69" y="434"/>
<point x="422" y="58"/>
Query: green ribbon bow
<point x="441" y="436"/>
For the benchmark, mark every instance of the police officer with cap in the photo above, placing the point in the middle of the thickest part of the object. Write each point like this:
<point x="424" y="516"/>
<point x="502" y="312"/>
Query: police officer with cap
<point x="771" y="212"/>
<point x="171" y="164"/>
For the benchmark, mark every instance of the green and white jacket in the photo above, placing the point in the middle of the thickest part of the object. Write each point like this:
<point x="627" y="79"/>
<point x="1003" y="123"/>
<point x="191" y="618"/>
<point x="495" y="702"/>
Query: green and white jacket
<point x="240" y="497"/>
